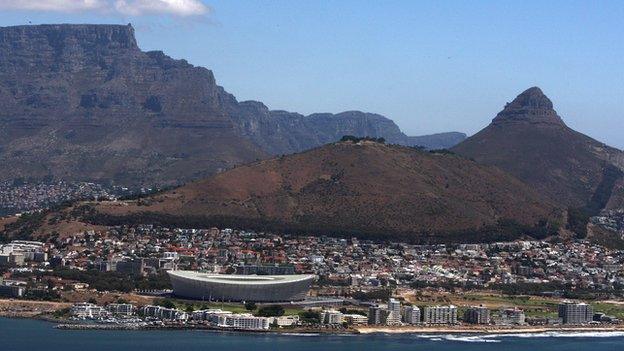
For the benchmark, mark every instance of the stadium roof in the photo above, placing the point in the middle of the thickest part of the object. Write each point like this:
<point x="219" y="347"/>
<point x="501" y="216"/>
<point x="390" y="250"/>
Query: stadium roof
<point x="241" y="279"/>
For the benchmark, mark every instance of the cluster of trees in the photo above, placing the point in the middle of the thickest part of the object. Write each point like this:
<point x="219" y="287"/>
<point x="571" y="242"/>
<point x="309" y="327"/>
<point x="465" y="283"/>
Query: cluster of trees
<point x="355" y="139"/>
<point x="270" y="311"/>
<point x="379" y="294"/>
<point x="310" y="317"/>
<point x="107" y="281"/>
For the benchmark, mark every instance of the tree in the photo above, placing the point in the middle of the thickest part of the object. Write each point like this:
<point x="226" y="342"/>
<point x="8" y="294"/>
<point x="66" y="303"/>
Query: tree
<point x="271" y="311"/>
<point x="166" y="303"/>
<point x="311" y="317"/>
<point x="250" y="306"/>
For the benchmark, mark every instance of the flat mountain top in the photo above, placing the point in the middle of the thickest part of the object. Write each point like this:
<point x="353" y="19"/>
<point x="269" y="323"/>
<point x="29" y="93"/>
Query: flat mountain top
<point x="84" y="103"/>
<point x="531" y="141"/>
<point x="366" y="188"/>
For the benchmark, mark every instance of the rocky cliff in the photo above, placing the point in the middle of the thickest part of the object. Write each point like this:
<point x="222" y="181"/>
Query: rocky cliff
<point x="83" y="102"/>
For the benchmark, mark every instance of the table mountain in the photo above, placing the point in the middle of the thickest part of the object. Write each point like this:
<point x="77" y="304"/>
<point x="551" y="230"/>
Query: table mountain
<point x="83" y="102"/>
<point x="365" y="188"/>
<point x="529" y="140"/>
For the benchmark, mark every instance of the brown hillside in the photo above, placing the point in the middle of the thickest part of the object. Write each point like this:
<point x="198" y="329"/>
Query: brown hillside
<point x="364" y="187"/>
<point x="529" y="140"/>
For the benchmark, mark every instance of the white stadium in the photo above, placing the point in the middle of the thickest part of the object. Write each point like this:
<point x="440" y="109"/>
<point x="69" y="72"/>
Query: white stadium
<point x="225" y="287"/>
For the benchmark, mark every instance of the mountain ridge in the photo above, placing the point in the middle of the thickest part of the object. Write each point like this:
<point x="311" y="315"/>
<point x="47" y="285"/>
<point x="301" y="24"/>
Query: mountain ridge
<point x="531" y="141"/>
<point x="83" y="102"/>
<point x="352" y="188"/>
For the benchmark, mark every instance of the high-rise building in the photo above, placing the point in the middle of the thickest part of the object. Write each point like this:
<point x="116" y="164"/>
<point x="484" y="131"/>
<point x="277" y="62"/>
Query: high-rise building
<point x="411" y="315"/>
<point x="440" y="315"/>
<point x="575" y="313"/>
<point x="477" y="315"/>
<point x="374" y="315"/>
<point x="331" y="317"/>
<point x="394" y="306"/>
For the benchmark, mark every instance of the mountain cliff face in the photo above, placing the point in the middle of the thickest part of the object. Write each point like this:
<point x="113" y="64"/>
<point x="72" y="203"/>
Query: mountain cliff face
<point x="529" y="140"/>
<point x="83" y="102"/>
<point x="367" y="188"/>
<point x="282" y="132"/>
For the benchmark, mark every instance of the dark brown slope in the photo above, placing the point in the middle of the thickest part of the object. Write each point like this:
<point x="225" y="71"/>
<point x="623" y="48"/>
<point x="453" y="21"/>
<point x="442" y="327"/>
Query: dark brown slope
<point x="367" y="188"/>
<point x="529" y="140"/>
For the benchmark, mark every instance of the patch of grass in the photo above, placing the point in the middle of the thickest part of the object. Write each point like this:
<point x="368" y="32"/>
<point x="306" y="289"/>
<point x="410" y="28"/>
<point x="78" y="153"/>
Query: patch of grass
<point x="234" y="307"/>
<point x="609" y="308"/>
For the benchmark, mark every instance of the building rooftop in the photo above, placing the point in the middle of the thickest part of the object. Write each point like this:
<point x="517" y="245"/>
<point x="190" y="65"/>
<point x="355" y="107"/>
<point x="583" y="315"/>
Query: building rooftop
<point x="242" y="279"/>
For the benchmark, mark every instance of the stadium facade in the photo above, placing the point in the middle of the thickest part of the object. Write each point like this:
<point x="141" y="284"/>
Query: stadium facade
<point x="225" y="287"/>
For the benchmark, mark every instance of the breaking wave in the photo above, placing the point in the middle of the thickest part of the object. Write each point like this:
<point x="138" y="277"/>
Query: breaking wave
<point x="495" y="338"/>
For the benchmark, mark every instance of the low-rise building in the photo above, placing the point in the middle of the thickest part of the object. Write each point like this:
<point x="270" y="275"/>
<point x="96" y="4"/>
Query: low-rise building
<point x="243" y="321"/>
<point x="124" y="309"/>
<point x="85" y="310"/>
<point x="355" y="319"/>
<point x="511" y="316"/>
<point x="331" y="317"/>
<point x="284" y="321"/>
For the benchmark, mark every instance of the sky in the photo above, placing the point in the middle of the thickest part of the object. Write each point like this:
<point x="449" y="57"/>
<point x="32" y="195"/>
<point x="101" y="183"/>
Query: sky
<point x="431" y="66"/>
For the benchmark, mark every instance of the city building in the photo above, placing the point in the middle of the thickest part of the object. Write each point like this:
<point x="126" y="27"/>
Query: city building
<point x="374" y="315"/>
<point x="411" y="315"/>
<point x="11" y="290"/>
<point x="284" y="321"/>
<point x="440" y="315"/>
<point x="331" y="317"/>
<point x="87" y="310"/>
<point x="355" y="319"/>
<point x="511" y="316"/>
<point x="477" y="315"/>
<point x="265" y="270"/>
<point x="394" y="306"/>
<point x="243" y="321"/>
<point x="575" y="313"/>
<point x="124" y="309"/>
<point x="163" y="313"/>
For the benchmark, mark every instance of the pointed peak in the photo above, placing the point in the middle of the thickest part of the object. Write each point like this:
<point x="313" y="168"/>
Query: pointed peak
<point x="532" y="98"/>
<point x="532" y="106"/>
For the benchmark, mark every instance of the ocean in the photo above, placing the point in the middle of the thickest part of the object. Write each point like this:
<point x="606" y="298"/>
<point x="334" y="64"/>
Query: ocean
<point x="34" y="335"/>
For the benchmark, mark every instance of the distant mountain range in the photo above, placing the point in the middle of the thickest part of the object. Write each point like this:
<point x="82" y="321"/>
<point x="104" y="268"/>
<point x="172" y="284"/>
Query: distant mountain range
<point x="538" y="169"/>
<point x="83" y="102"/>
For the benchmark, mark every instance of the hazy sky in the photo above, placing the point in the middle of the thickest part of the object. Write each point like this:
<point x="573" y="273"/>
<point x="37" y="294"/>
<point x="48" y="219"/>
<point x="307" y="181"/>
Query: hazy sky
<point x="431" y="66"/>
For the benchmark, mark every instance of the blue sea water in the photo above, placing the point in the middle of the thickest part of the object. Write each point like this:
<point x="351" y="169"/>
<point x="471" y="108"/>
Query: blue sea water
<point x="33" y="335"/>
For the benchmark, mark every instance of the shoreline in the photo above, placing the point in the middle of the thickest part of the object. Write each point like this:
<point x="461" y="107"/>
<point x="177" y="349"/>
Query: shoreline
<point x="492" y="330"/>
<point x="358" y="330"/>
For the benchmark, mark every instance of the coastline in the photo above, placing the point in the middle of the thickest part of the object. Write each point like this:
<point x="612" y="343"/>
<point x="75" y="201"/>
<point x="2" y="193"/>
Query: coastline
<point x="43" y="310"/>
<point x="357" y="330"/>
<point x="486" y="330"/>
